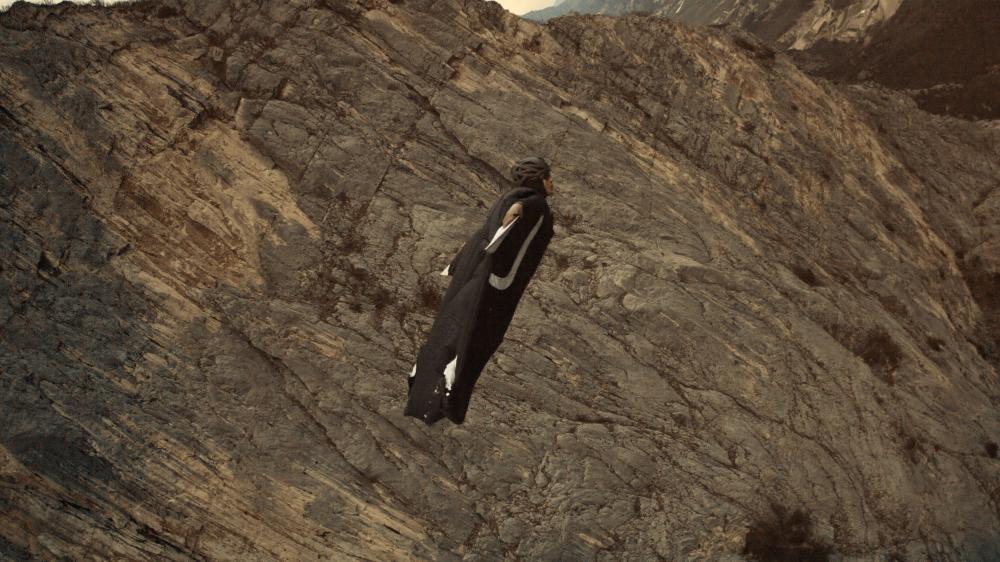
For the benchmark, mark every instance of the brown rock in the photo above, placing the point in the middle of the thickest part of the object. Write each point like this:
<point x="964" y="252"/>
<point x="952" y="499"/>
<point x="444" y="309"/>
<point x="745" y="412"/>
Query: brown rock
<point x="769" y="302"/>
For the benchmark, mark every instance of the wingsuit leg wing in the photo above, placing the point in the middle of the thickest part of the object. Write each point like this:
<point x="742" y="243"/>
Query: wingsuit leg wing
<point x="439" y="359"/>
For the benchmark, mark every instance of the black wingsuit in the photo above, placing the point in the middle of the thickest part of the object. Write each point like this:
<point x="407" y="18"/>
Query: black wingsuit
<point x="489" y="275"/>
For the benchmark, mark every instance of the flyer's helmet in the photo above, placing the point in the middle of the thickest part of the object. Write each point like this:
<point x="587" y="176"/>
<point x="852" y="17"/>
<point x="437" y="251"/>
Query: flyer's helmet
<point x="530" y="171"/>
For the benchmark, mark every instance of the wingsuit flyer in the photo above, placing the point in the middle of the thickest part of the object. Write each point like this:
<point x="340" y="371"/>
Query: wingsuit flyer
<point x="489" y="275"/>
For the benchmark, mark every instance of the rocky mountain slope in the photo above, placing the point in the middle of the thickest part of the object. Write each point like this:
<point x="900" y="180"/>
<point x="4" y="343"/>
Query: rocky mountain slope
<point x="767" y="324"/>
<point x="945" y="54"/>
<point x="796" y="24"/>
<point x="941" y="53"/>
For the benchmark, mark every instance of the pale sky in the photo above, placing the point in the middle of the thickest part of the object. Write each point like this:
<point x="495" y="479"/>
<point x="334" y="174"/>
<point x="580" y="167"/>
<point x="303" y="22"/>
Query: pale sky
<point x="518" y="7"/>
<point x="4" y="4"/>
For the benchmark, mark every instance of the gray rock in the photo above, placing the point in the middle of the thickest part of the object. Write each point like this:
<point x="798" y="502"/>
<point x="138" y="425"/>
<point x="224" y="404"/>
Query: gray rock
<point x="767" y="294"/>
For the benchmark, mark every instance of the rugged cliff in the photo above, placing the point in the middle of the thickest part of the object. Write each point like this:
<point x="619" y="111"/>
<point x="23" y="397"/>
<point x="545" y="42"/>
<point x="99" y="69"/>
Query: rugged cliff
<point x="796" y="24"/>
<point x="767" y="322"/>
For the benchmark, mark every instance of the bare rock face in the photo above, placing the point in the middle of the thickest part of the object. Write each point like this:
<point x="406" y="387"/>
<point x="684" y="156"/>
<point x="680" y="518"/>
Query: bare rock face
<point x="796" y="24"/>
<point x="766" y="326"/>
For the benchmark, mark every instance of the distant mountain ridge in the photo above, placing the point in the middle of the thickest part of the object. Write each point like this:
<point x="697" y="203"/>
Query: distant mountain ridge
<point x="796" y="24"/>
<point x="935" y="51"/>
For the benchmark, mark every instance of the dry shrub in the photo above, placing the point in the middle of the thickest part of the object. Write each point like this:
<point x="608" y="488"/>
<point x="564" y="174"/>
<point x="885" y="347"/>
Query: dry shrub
<point x="806" y="275"/>
<point x="785" y="537"/>
<point x="876" y="348"/>
<point x="882" y="355"/>
<point x="428" y="294"/>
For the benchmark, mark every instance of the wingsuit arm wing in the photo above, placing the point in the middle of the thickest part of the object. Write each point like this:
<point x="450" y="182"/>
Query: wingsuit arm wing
<point x="512" y="213"/>
<point x="509" y="218"/>
<point x="450" y="268"/>
<point x="499" y="236"/>
<point x="516" y="239"/>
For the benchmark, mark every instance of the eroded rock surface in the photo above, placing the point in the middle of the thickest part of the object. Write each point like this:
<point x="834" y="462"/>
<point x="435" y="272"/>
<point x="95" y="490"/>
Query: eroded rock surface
<point x="770" y="300"/>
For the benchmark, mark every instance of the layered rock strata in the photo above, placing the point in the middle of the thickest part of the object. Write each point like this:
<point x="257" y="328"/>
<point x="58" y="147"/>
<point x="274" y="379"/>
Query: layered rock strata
<point x="770" y="300"/>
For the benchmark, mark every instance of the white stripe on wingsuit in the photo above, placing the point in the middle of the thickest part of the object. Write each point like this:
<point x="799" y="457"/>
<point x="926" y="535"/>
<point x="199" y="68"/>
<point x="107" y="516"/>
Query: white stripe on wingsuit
<point x="449" y="373"/>
<point x="504" y="282"/>
<point x="499" y="236"/>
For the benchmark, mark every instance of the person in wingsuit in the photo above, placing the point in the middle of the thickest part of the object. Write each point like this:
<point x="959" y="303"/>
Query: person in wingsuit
<point x="489" y="274"/>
